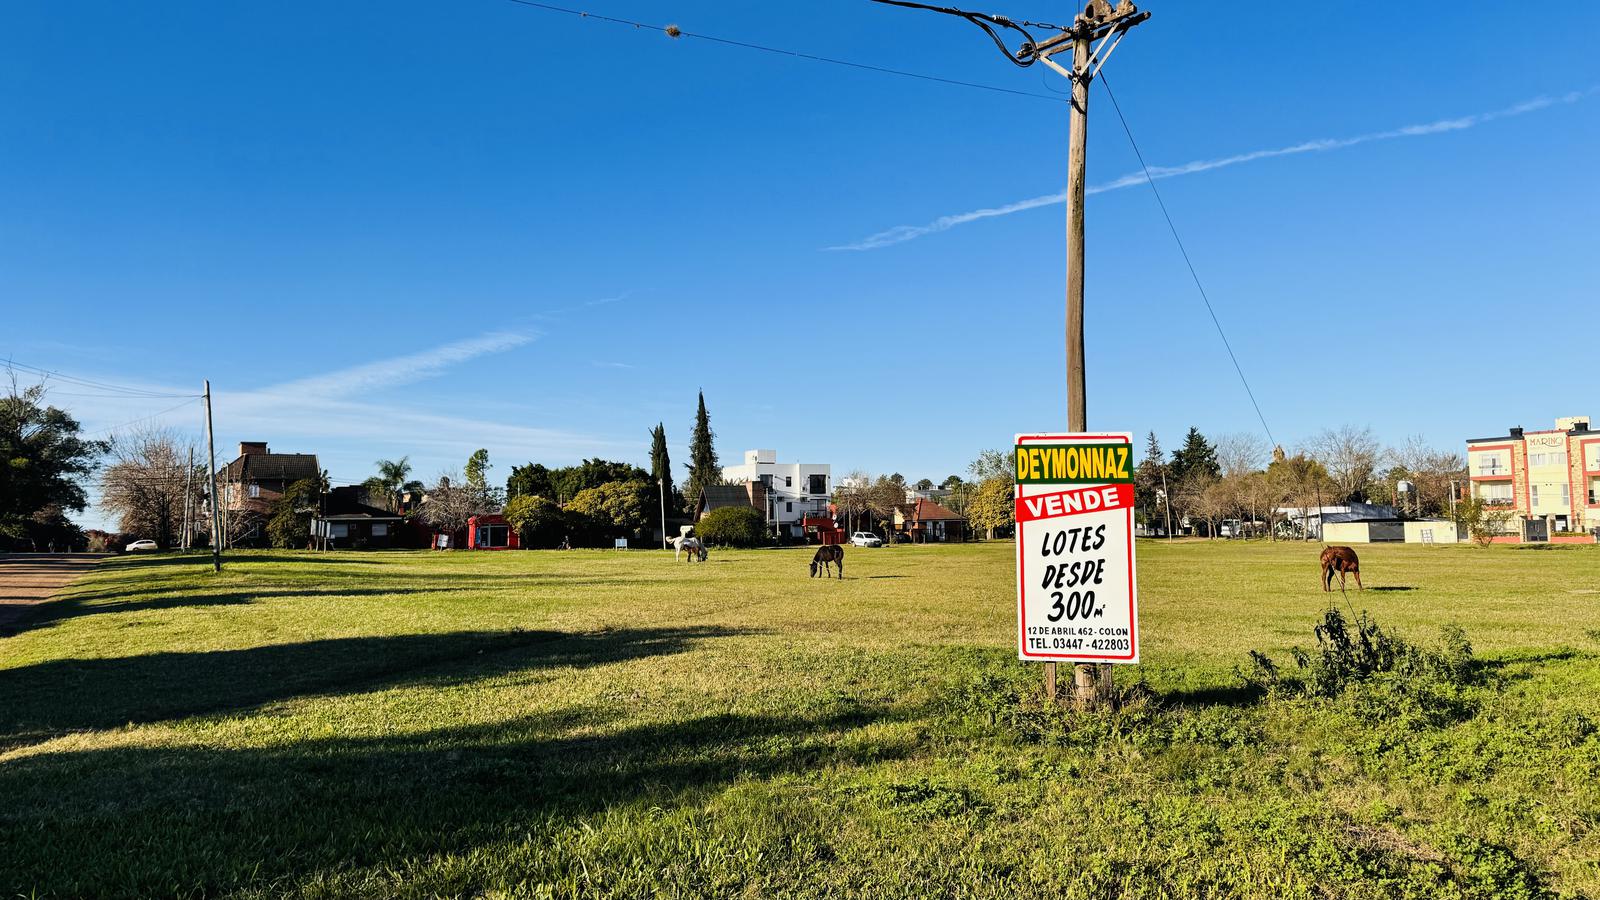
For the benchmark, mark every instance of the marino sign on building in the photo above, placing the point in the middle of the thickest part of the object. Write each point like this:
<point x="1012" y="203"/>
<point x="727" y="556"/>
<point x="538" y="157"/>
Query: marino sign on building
<point x="1548" y="480"/>
<point x="1077" y="594"/>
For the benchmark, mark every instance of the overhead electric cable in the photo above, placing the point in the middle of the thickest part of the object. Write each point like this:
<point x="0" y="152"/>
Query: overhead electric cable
<point x="155" y="415"/>
<point x="1186" y="261"/>
<point x="676" y="32"/>
<point x="84" y="382"/>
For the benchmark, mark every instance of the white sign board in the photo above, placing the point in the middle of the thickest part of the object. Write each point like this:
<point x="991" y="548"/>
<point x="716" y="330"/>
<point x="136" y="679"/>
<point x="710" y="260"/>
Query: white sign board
<point x="1077" y="594"/>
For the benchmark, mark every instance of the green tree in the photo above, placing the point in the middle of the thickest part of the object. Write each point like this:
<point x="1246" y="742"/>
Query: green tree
<point x="734" y="526"/>
<point x="592" y="473"/>
<point x="1197" y="457"/>
<point x="290" y="525"/>
<point x="478" y="470"/>
<point x="992" y="507"/>
<point x="660" y="462"/>
<point x="539" y="522"/>
<point x="703" y="467"/>
<point x="924" y="484"/>
<point x="620" y="508"/>
<point x="951" y="482"/>
<point x="531" y="480"/>
<point x="1148" y="483"/>
<point x="42" y="458"/>
<point x="476" y="484"/>
<point x="392" y="475"/>
<point x="993" y="464"/>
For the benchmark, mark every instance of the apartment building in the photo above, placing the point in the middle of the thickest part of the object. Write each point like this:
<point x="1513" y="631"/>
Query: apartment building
<point x="1550" y="479"/>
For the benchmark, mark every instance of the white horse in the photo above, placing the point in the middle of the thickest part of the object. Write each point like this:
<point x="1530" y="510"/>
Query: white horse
<point x="691" y="545"/>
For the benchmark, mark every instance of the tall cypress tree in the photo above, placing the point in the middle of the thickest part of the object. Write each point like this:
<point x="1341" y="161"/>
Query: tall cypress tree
<point x="703" y="468"/>
<point x="660" y="464"/>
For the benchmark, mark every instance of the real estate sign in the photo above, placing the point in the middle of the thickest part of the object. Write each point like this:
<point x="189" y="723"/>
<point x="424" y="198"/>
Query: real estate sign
<point x="1077" y="595"/>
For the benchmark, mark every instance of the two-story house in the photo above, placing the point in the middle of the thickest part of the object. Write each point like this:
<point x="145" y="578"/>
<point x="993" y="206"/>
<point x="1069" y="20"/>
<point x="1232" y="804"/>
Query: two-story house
<point x="248" y="486"/>
<point x="791" y="491"/>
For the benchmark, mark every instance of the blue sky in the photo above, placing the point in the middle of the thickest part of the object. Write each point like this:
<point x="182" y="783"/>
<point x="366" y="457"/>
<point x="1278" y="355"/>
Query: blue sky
<point x="421" y="228"/>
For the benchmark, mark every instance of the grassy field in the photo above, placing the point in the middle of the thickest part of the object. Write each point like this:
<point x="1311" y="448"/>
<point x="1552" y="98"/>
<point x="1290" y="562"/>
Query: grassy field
<point x="610" y="724"/>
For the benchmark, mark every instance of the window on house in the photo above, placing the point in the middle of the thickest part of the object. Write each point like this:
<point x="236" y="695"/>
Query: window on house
<point x="788" y="481"/>
<point x="819" y="484"/>
<point x="255" y="490"/>
<point x="1534" y="493"/>
<point x="766" y="480"/>
<point x="338" y="530"/>
<point x="380" y="529"/>
<point x="1566" y="495"/>
<point x="1558" y="458"/>
<point x="788" y="507"/>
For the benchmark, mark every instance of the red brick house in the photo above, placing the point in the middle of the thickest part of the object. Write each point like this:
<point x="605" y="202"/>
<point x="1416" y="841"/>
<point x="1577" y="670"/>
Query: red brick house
<point x="249" y="486"/>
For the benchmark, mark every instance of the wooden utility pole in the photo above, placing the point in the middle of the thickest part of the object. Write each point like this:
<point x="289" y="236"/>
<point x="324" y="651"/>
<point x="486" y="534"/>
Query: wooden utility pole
<point x="188" y="495"/>
<point x="1098" y="21"/>
<point x="216" y="518"/>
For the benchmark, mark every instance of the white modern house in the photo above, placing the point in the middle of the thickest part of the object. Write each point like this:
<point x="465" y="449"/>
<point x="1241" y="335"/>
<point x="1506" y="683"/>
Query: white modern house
<point x="793" y="490"/>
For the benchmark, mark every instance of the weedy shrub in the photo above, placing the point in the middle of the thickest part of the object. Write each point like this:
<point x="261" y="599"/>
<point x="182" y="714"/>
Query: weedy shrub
<point x="1375" y="674"/>
<point x="1007" y="697"/>
<point x="1344" y="657"/>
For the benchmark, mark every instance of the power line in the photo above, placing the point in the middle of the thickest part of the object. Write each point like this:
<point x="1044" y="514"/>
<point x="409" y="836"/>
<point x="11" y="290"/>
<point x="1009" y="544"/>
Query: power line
<point x="121" y="390"/>
<point x="155" y="415"/>
<point x="674" y="31"/>
<point x="1186" y="261"/>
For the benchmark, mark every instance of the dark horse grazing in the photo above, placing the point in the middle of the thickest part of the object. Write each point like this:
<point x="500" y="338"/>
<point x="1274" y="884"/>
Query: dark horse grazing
<point x="828" y="553"/>
<point x="1342" y="560"/>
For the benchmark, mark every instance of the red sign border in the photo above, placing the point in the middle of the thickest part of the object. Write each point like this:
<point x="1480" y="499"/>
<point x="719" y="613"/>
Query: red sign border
<point x="1133" y="581"/>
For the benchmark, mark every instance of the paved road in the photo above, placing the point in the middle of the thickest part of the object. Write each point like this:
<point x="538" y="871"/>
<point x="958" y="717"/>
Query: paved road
<point x="30" y="578"/>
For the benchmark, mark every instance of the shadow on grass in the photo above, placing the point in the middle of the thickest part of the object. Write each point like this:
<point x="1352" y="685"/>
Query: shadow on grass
<point x="213" y="821"/>
<point x="1389" y="589"/>
<point x="1214" y="695"/>
<point x="90" y="603"/>
<point x="50" y="698"/>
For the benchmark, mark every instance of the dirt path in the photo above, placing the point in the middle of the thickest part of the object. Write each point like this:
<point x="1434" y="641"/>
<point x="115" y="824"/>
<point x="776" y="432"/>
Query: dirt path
<point x="27" y="579"/>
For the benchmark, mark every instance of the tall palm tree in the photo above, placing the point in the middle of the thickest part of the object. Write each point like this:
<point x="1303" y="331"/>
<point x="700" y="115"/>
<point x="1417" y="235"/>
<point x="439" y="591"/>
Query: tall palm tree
<point x="393" y="475"/>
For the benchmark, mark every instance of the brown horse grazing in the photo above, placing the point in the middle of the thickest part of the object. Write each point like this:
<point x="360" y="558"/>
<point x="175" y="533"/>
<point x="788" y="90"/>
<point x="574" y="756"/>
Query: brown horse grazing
<point x="1342" y="560"/>
<point x="828" y="553"/>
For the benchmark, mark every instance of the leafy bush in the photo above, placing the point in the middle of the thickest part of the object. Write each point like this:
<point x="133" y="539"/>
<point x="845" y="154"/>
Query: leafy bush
<point x="734" y="526"/>
<point x="539" y="522"/>
<point x="1345" y="658"/>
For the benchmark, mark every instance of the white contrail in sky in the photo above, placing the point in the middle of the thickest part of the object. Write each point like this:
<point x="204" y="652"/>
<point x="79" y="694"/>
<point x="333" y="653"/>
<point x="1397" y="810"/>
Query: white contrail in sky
<point x="399" y="370"/>
<point x="901" y="233"/>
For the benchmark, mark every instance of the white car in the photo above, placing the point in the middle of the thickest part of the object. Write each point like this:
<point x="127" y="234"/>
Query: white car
<point x="139" y="546"/>
<point x="866" y="539"/>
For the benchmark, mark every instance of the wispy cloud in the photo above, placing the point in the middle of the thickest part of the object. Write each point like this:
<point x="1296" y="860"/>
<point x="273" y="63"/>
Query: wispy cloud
<point x="401" y="370"/>
<point x="901" y="233"/>
<point x="613" y="365"/>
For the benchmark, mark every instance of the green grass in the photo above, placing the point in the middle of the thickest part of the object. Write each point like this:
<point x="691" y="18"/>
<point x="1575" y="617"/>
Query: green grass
<point x="611" y="724"/>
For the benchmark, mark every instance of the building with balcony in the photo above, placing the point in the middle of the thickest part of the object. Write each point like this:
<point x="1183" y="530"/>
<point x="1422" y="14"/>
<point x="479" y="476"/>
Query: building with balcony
<point x="791" y="492"/>
<point x="1550" y="480"/>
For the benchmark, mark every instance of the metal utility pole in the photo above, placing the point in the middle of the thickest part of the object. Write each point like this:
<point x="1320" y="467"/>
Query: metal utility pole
<point x="661" y="483"/>
<point x="216" y="518"/>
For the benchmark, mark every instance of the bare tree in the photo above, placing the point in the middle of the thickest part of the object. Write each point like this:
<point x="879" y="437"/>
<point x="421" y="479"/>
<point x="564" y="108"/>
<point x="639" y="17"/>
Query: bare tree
<point x="145" y="482"/>
<point x="850" y="496"/>
<point x="1351" y="456"/>
<point x="451" y="503"/>
<point x="1431" y="470"/>
<point x="1241" y="453"/>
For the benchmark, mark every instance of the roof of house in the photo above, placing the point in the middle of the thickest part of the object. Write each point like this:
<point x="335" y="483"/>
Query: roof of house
<point x="929" y="511"/>
<point x="716" y="496"/>
<point x="350" y="503"/>
<point x="288" y="467"/>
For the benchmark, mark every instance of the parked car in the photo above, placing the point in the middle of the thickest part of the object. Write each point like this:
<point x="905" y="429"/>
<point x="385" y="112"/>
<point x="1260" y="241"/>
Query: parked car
<point x="866" y="539"/>
<point x="140" y="546"/>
